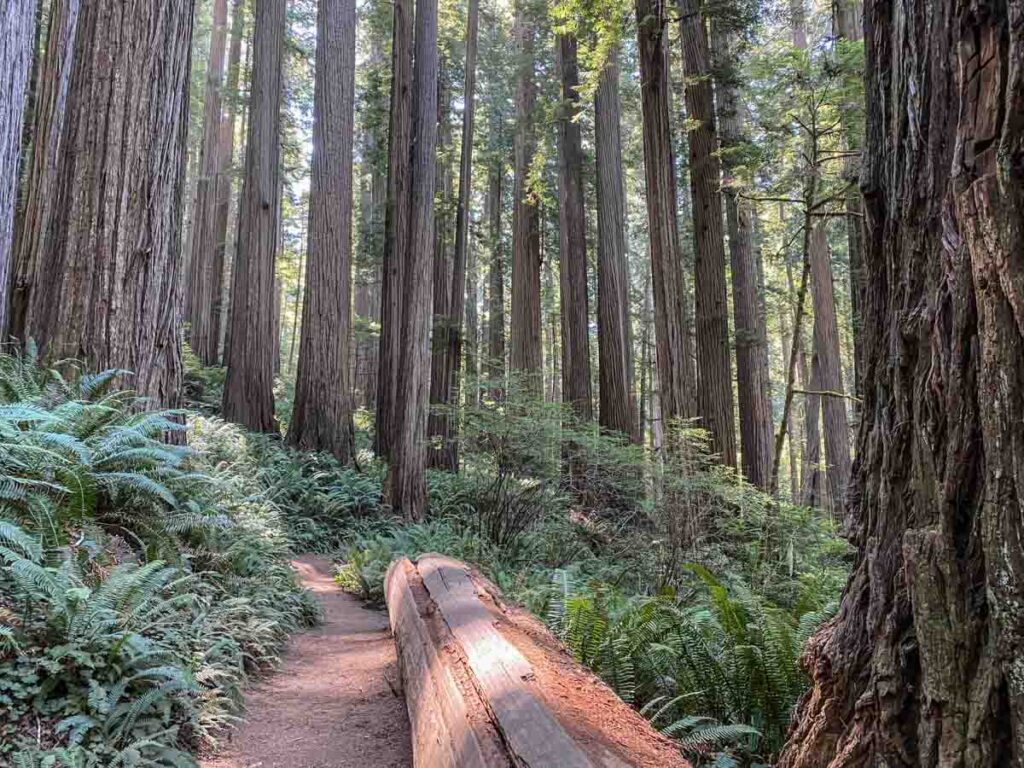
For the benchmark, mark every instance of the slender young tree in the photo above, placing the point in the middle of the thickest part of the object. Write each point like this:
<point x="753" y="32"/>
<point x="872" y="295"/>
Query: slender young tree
<point x="203" y="334"/>
<point x="573" y="282"/>
<point x="17" y="25"/>
<point x="526" y="355"/>
<point x="752" y="384"/>
<point x="495" y="283"/>
<point x="105" y="288"/>
<point x="674" y="360"/>
<point x="406" y="483"/>
<point x="617" y="410"/>
<point x="921" y="664"/>
<point x="711" y="299"/>
<point x="47" y="134"/>
<point x="322" y="415"/>
<point x="251" y="358"/>
<point x="396" y="228"/>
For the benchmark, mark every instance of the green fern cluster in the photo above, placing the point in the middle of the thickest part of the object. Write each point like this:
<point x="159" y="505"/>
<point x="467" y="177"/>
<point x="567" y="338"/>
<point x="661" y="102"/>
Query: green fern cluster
<point x="720" y="673"/>
<point x="142" y="582"/>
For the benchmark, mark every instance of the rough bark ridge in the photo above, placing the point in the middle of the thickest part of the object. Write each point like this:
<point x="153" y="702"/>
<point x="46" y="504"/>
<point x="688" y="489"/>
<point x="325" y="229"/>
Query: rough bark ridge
<point x="17" y="23"/>
<point x="252" y="358"/>
<point x="396" y="227"/>
<point x="617" y="410"/>
<point x="47" y="134"/>
<point x="573" y="282"/>
<point x="406" y="484"/>
<point x="322" y="415"/>
<point x="711" y="298"/>
<point x="526" y="354"/>
<point x="106" y="280"/>
<point x="675" y="363"/>
<point x="922" y="665"/>
<point x="199" y="288"/>
<point x="753" y="388"/>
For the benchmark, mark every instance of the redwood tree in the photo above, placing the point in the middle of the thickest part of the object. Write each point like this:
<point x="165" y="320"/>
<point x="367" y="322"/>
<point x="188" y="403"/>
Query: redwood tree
<point x="572" y="270"/>
<point x="17" y="25"/>
<point x="617" y="410"/>
<point x="921" y="666"/>
<point x="675" y="364"/>
<point x="322" y="415"/>
<point x="106" y="274"/>
<point x="711" y="300"/>
<point x="251" y="359"/>
<point x="406" y="490"/>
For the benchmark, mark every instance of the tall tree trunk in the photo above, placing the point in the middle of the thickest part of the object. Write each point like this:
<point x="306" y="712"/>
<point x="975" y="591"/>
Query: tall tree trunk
<point x="572" y="270"/>
<point x="617" y="407"/>
<point x="675" y="363"/>
<point x="17" y="25"/>
<point x="203" y="334"/>
<point x="752" y="384"/>
<point x="322" y="415"/>
<point x="47" y="137"/>
<point x="406" y="484"/>
<point x="396" y="228"/>
<point x="471" y="337"/>
<point x="846" y="27"/>
<point x="208" y="347"/>
<point x="495" y="286"/>
<point x="252" y="358"/>
<point x="711" y="299"/>
<point x="526" y="357"/>
<point x="921" y="666"/>
<point x="106" y="283"/>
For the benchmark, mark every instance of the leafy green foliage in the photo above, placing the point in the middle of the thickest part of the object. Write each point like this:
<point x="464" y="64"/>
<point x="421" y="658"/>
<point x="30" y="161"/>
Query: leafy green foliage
<point x="142" y="582"/>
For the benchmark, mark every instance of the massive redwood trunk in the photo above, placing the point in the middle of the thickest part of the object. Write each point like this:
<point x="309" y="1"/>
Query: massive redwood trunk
<point x="322" y="416"/>
<point x="711" y="299"/>
<point x="17" y="23"/>
<point x="252" y="355"/>
<point x="572" y="270"/>
<point x="406" y="490"/>
<point x="199" y="285"/>
<point x="396" y="227"/>
<point x="526" y="354"/>
<point x="675" y="364"/>
<point x="53" y="78"/>
<point x="105" y="288"/>
<point x="617" y="406"/>
<point x="922" y="665"/>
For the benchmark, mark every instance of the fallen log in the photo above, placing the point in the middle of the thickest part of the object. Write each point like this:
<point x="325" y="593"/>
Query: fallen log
<point x="487" y="685"/>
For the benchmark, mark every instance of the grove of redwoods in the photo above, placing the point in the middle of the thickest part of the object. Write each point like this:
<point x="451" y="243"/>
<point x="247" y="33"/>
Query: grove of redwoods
<point x="760" y="247"/>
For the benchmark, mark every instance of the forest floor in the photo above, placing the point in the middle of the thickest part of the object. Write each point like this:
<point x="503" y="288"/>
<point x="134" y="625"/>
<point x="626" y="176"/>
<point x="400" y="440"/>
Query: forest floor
<point x="333" y="704"/>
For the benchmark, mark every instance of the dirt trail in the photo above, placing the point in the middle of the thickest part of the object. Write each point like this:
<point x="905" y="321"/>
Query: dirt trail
<point x="332" y="703"/>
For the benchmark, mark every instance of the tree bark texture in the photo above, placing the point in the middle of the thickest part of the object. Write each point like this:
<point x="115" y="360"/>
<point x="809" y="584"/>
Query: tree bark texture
<point x="572" y="270"/>
<point x="922" y="664"/>
<point x="617" y="410"/>
<point x="396" y="227"/>
<point x="322" y="415"/>
<point x="47" y="135"/>
<point x="17" y="26"/>
<point x="711" y="298"/>
<point x="106" y="284"/>
<point x="406" y="484"/>
<point x="199" y="296"/>
<point x="753" y="388"/>
<point x="526" y="355"/>
<point x="252" y="358"/>
<point x="676" y="378"/>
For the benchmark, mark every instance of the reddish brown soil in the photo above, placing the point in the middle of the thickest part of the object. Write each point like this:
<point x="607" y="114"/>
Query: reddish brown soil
<point x="332" y="705"/>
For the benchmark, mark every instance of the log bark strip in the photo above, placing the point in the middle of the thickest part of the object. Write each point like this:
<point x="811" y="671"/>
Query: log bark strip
<point x="486" y="685"/>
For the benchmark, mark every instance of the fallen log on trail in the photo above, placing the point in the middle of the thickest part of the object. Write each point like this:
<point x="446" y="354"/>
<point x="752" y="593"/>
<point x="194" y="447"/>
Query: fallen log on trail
<point x="487" y="685"/>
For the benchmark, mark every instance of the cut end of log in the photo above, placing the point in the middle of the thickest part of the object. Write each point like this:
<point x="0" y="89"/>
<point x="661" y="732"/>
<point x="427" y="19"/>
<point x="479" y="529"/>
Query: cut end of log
<point x="488" y="685"/>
